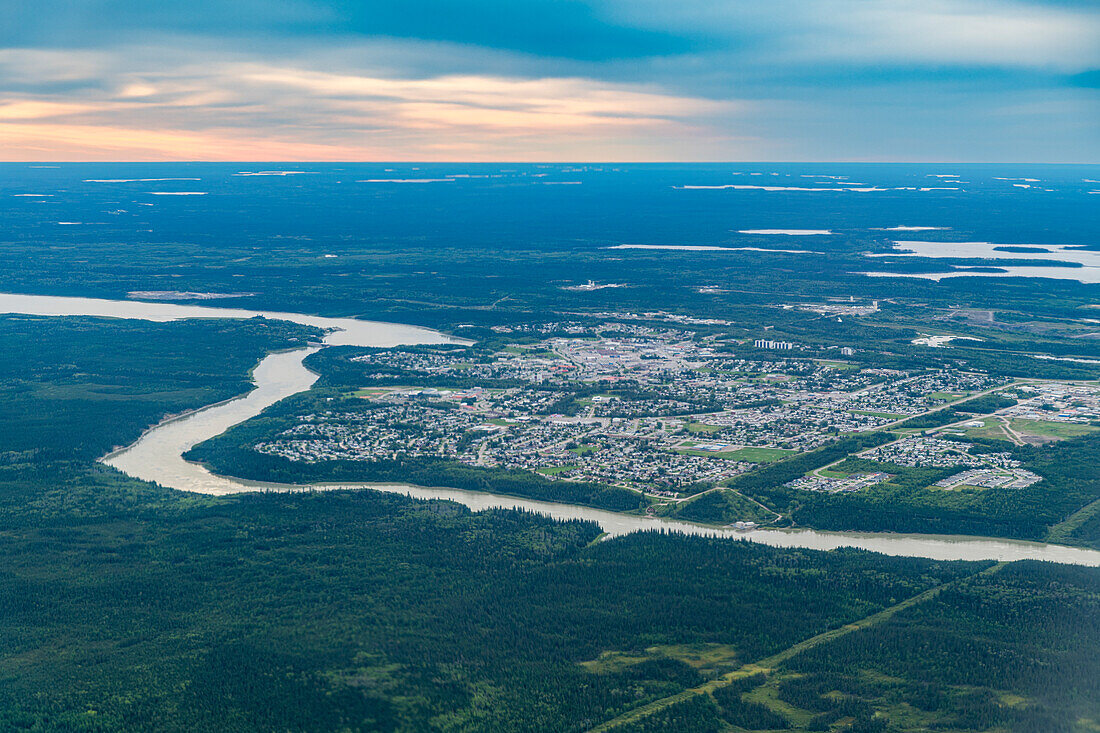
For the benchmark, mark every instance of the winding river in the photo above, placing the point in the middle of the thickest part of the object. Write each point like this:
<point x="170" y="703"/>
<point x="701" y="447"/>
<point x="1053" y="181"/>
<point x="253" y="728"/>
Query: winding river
<point x="157" y="455"/>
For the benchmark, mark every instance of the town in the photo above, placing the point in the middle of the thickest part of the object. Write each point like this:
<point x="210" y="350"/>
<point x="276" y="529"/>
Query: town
<point x="668" y="412"/>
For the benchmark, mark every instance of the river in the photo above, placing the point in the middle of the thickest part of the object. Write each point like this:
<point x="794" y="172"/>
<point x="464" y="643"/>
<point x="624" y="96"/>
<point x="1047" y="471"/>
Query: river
<point x="157" y="455"/>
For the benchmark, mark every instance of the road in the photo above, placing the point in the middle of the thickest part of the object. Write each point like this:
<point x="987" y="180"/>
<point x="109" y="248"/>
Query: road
<point x="817" y="471"/>
<point x="770" y="664"/>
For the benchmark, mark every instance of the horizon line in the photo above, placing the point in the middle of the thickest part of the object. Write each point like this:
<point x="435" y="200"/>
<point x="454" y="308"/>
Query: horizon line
<point x="547" y="162"/>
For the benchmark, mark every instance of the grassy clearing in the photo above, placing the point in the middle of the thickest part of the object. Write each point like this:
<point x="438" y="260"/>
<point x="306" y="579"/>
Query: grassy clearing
<point x="992" y="429"/>
<point x="761" y="455"/>
<point x="948" y="396"/>
<point x="726" y="455"/>
<point x="1064" y="531"/>
<point x="1032" y="428"/>
<point x="837" y="364"/>
<point x="613" y="662"/>
<point x="722" y="507"/>
<point x="769" y="665"/>
<point x="709" y="659"/>
<point x="768" y="696"/>
<point x="554" y="470"/>
<point x="369" y="392"/>
<point x="1045" y="428"/>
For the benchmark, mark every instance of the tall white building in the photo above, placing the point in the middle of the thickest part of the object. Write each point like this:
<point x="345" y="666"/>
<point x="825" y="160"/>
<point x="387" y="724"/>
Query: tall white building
<point x="767" y="344"/>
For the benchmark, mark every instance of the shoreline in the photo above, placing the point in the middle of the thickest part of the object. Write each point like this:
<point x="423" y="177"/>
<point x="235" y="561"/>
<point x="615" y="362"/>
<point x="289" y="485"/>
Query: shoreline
<point x="169" y="419"/>
<point x="162" y="462"/>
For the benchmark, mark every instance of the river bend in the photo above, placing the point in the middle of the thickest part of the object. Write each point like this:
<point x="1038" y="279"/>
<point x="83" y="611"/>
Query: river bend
<point x="157" y="455"/>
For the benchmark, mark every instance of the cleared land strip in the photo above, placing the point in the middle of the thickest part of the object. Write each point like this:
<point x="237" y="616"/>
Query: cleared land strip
<point x="769" y="664"/>
<point x="1063" y="530"/>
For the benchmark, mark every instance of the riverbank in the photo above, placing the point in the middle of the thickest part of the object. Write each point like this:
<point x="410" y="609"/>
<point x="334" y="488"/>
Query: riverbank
<point x="157" y="455"/>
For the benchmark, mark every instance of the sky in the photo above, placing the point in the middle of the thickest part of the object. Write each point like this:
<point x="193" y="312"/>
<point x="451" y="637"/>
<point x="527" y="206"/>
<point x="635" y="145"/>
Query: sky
<point x="551" y="80"/>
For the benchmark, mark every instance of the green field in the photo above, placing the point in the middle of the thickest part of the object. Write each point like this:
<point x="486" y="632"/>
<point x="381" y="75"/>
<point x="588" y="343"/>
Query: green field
<point x="949" y="396"/>
<point x="698" y="427"/>
<point x="369" y="392"/>
<point x="1037" y="428"/>
<point x="992" y="429"/>
<point x="837" y="364"/>
<point x="761" y="455"/>
<point x="555" y="470"/>
<point x="725" y="455"/>
<point x="1052" y="429"/>
<point x="722" y="506"/>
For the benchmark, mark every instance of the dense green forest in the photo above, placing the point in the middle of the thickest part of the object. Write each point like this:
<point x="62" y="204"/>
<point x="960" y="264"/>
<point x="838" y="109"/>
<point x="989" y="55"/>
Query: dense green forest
<point x="722" y="506"/>
<point x="124" y="606"/>
<point x="1071" y="481"/>
<point x="1031" y="657"/>
<point x="374" y="611"/>
<point x="959" y="411"/>
<point x="73" y="388"/>
<point x="1029" y="634"/>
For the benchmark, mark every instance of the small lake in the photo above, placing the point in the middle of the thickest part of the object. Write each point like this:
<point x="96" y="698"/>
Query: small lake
<point x="1003" y="255"/>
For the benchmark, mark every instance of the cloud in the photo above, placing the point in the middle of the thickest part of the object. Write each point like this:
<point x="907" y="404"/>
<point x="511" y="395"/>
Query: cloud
<point x="59" y="141"/>
<point x="960" y="32"/>
<point x="934" y="33"/>
<point x="561" y="28"/>
<point x="551" y="79"/>
<point x="1089" y="79"/>
<point x="490" y="102"/>
<point x="262" y="111"/>
<point x="32" y="109"/>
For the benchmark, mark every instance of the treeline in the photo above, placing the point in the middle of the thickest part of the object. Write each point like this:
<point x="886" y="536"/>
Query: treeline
<point x="365" y="611"/>
<point x="339" y="372"/>
<point x="1029" y="634"/>
<point x="747" y="714"/>
<point x="1046" y="623"/>
<point x="768" y="481"/>
<point x="954" y="413"/>
<point x="239" y="460"/>
<point x="231" y="454"/>
<point x="984" y="404"/>
<point x="1071" y="480"/>
<point x="902" y="356"/>
<point x="699" y="714"/>
<point x="71" y="389"/>
<point x="722" y="506"/>
<point x="570" y="401"/>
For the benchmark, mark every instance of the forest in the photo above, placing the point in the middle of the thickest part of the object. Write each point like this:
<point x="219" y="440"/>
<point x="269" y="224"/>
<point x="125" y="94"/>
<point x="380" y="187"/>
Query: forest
<point x="74" y="388"/>
<point x="1071" y="482"/>
<point x="127" y="606"/>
